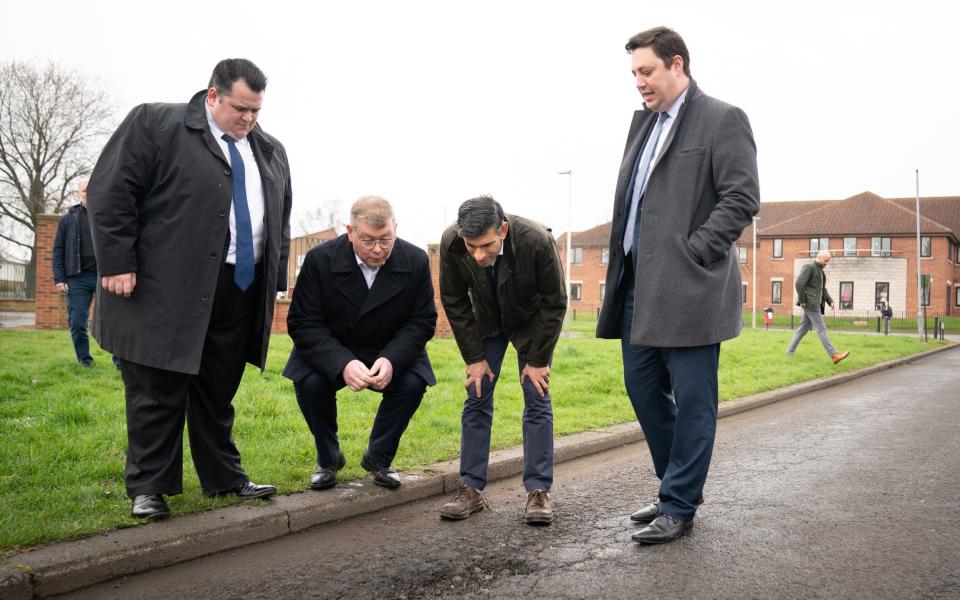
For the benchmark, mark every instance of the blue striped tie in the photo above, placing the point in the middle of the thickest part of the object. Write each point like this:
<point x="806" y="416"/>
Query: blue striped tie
<point x="243" y="275"/>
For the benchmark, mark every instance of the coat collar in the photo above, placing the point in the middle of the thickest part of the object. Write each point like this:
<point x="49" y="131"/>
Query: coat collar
<point x="196" y="120"/>
<point x="350" y="282"/>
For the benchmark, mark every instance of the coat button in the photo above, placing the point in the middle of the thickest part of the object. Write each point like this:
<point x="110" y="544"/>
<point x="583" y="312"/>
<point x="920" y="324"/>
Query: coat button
<point x="204" y="298"/>
<point x="223" y="213"/>
<point x="226" y="171"/>
<point x="213" y="255"/>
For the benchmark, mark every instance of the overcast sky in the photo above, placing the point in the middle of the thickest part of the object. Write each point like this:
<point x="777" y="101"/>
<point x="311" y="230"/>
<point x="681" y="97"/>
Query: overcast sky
<point x="431" y="103"/>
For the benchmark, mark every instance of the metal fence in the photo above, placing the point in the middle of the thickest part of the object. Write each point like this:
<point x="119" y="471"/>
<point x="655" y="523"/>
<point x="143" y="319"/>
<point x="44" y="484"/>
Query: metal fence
<point x="866" y="321"/>
<point x="13" y="281"/>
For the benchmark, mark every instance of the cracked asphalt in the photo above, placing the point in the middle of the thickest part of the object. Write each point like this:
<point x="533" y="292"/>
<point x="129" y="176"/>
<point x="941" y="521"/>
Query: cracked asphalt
<point x="850" y="492"/>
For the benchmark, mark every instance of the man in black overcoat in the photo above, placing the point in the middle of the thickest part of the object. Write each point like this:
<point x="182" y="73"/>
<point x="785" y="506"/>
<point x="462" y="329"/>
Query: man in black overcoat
<point x="190" y="213"/>
<point x="361" y="316"/>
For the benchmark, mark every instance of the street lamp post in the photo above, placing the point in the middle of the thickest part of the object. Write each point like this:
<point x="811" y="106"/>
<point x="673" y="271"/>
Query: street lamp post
<point x="569" y="174"/>
<point x="920" y="319"/>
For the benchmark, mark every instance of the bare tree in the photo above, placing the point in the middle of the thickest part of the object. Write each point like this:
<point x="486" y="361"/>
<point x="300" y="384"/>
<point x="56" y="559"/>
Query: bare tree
<point x="325" y="216"/>
<point x="51" y="122"/>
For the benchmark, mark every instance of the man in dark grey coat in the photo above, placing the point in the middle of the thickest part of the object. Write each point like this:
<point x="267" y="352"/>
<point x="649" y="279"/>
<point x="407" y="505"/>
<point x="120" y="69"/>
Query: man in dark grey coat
<point x="812" y="298"/>
<point x="190" y="208"/>
<point x="688" y="186"/>
<point x="500" y="282"/>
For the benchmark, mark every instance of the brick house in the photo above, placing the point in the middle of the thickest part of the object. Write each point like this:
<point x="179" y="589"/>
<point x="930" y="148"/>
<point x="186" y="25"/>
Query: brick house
<point x="872" y="240"/>
<point x="588" y="267"/>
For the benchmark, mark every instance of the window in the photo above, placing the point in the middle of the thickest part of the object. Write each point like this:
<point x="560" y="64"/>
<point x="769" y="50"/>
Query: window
<point x="603" y="291"/>
<point x="926" y="245"/>
<point x="849" y="246"/>
<point x="926" y="291"/>
<point x="776" y="292"/>
<point x="882" y="295"/>
<point x="605" y="256"/>
<point x="742" y="254"/>
<point x="745" y="294"/>
<point x="576" y="257"/>
<point x="880" y="246"/>
<point x="956" y="293"/>
<point x="846" y="295"/>
<point x="818" y="244"/>
<point x="777" y="248"/>
<point x="575" y="291"/>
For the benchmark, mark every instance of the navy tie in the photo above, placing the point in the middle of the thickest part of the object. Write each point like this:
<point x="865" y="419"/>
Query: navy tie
<point x="243" y="274"/>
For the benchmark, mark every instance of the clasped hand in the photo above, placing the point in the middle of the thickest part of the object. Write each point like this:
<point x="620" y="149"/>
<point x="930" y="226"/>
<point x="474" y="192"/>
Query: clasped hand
<point x="357" y="376"/>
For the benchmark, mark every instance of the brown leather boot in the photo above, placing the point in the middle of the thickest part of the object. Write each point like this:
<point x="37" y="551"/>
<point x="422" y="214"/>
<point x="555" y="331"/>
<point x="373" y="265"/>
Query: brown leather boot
<point x="538" y="508"/>
<point x="467" y="501"/>
<point x="839" y="356"/>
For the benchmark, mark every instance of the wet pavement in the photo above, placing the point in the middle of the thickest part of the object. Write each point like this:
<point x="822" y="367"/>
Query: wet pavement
<point x="849" y="492"/>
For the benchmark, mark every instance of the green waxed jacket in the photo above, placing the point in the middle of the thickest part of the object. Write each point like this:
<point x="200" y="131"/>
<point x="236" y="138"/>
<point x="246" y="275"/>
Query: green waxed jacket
<point x="812" y="286"/>
<point x="528" y="305"/>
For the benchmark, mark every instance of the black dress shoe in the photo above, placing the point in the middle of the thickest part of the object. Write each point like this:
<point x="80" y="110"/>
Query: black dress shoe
<point x="253" y="490"/>
<point x="150" y="506"/>
<point x="663" y="529"/>
<point x="324" y="478"/>
<point x="384" y="477"/>
<point x="647" y="513"/>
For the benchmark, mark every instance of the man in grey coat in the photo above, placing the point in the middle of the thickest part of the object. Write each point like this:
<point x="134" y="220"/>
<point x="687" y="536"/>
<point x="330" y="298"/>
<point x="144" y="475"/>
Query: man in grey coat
<point x="812" y="297"/>
<point x="688" y="186"/>
<point x="190" y="208"/>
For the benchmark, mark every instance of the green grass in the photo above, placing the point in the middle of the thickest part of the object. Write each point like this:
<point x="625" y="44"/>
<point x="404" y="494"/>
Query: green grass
<point x="63" y="435"/>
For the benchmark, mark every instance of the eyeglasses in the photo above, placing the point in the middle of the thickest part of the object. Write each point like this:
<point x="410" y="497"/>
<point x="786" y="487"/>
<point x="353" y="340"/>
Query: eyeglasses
<point x="384" y="243"/>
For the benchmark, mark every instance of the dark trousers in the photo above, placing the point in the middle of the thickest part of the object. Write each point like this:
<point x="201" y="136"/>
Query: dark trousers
<point x="477" y="421"/>
<point x="317" y="397"/>
<point x="159" y="401"/>
<point x="674" y="392"/>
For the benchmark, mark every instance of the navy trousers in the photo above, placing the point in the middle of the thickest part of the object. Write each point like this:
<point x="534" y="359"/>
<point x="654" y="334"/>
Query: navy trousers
<point x="674" y="393"/>
<point x="317" y="397"/>
<point x="477" y="421"/>
<point x="80" y="290"/>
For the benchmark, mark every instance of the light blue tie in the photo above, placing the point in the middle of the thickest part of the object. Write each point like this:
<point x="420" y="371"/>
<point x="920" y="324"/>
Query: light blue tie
<point x="243" y="274"/>
<point x="632" y="230"/>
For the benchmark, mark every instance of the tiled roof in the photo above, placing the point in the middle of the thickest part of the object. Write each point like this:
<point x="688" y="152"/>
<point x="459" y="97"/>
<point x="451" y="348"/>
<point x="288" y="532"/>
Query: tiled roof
<point x="598" y="236"/>
<point x="863" y="214"/>
<point x="943" y="209"/>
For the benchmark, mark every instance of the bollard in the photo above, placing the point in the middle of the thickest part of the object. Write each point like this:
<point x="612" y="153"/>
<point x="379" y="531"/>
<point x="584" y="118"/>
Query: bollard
<point x="943" y="329"/>
<point x="878" y="324"/>
<point x="936" y="327"/>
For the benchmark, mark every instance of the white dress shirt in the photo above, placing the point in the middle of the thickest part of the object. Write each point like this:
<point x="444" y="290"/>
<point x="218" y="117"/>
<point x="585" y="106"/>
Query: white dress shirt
<point x="368" y="273"/>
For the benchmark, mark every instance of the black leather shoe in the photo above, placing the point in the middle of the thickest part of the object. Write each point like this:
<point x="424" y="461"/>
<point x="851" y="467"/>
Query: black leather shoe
<point x="150" y="506"/>
<point x="647" y="513"/>
<point x="324" y="478"/>
<point x="663" y="529"/>
<point x="384" y="477"/>
<point x="253" y="490"/>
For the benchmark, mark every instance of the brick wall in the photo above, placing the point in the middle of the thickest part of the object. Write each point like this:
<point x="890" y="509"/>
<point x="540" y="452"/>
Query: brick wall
<point x="591" y="274"/>
<point x="51" y="305"/>
<point x="16" y="305"/>
<point x="443" y="325"/>
<point x="280" y="310"/>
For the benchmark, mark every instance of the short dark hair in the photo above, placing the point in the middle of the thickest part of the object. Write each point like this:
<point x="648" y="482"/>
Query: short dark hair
<point x="666" y="44"/>
<point x="230" y="70"/>
<point x="477" y="215"/>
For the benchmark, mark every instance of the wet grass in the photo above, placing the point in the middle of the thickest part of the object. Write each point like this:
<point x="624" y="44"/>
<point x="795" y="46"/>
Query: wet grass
<point x="63" y="435"/>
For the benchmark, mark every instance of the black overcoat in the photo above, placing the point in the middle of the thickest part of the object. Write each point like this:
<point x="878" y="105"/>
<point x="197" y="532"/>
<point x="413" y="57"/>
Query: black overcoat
<point x="159" y="201"/>
<point x="334" y="318"/>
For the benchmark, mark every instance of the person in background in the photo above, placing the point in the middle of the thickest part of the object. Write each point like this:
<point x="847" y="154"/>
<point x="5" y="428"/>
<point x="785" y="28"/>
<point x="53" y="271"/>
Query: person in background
<point x="813" y="297"/>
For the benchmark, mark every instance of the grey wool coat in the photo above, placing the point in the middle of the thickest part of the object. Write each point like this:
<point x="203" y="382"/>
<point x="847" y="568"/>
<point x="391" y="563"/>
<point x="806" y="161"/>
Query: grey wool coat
<point x="702" y="191"/>
<point x="159" y="200"/>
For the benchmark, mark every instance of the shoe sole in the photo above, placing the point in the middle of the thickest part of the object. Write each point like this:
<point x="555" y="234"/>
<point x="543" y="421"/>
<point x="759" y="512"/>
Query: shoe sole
<point x="322" y="486"/>
<point x="260" y="496"/>
<point x="538" y="520"/>
<point x="152" y="517"/>
<point x="643" y="521"/>
<point x="460" y="516"/>
<point x="654" y="542"/>
<point x="389" y="486"/>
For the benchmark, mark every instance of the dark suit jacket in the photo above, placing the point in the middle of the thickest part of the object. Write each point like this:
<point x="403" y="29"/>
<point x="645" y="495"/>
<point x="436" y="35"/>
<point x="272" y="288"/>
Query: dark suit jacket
<point x="702" y="191"/>
<point x="334" y="318"/>
<point x="159" y="204"/>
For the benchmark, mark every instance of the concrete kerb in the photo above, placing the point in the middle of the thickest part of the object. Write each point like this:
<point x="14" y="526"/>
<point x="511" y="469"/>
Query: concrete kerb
<point x="68" y="566"/>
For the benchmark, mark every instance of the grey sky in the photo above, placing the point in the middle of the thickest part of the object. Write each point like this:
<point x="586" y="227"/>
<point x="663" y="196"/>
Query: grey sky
<point x="430" y="103"/>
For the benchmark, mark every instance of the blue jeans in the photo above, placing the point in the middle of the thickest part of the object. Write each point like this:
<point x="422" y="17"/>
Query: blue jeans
<point x="80" y="291"/>
<point x="477" y="420"/>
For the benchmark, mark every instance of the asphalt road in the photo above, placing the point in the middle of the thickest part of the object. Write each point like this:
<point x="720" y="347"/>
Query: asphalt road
<point x="851" y="492"/>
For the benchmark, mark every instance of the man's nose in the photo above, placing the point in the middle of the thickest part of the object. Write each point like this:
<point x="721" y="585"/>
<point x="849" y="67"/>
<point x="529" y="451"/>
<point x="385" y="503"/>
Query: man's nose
<point x="479" y="255"/>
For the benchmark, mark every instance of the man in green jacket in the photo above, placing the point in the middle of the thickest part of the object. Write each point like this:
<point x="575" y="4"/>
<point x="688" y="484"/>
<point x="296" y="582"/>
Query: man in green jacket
<point x="812" y="297"/>
<point x="500" y="281"/>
